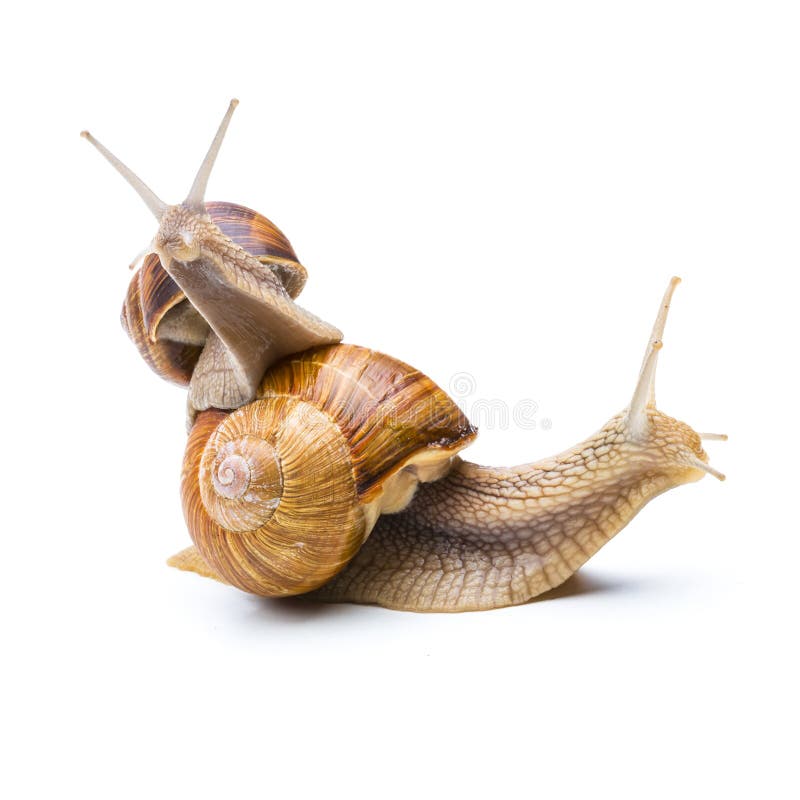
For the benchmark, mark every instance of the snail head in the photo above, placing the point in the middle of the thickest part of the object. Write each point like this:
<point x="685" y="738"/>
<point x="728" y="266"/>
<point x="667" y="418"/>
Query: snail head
<point x="182" y="227"/>
<point x="653" y="438"/>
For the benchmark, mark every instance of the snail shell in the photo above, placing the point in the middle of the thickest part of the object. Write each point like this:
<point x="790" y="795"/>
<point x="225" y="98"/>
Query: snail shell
<point x="161" y="322"/>
<point x="280" y="494"/>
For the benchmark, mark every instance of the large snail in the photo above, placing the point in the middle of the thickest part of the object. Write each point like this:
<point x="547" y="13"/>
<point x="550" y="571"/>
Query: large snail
<point x="326" y="468"/>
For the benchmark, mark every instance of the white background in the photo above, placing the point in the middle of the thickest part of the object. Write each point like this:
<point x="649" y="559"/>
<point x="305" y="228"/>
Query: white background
<point x="501" y="190"/>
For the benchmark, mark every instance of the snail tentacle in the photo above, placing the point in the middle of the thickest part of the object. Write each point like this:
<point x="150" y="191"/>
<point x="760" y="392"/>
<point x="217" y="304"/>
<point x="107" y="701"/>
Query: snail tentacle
<point x="299" y="447"/>
<point x="478" y="537"/>
<point x="484" y="537"/>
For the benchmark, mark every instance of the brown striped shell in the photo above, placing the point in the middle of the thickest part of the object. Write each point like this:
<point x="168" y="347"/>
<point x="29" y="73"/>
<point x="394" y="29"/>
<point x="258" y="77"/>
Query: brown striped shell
<point x="280" y="494"/>
<point x="152" y="294"/>
<point x="154" y="302"/>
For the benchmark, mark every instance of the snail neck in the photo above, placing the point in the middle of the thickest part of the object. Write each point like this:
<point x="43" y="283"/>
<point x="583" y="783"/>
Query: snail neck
<point x="239" y="348"/>
<point x="484" y="537"/>
<point x="253" y="319"/>
<point x="601" y="483"/>
<point x="218" y="380"/>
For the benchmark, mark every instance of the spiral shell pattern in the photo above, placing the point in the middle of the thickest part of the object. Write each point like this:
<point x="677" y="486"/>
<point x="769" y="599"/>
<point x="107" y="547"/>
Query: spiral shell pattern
<point x="240" y="476"/>
<point x="280" y="494"/>
<point x="274" y="507"/>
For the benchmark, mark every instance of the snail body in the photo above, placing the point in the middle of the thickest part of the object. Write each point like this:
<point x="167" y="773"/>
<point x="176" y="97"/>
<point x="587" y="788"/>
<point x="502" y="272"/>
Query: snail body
<point x="314" y="467"/>
<point x="364" y="427"/>
<point x="168" y="332"/>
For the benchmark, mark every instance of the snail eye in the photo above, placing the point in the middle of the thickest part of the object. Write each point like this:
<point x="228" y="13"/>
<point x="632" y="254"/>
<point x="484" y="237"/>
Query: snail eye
<point x="180" y="243"/>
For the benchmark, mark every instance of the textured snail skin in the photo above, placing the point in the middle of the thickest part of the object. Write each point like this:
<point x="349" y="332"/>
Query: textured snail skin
<point x="484" y="538"/>
<point x="331" y="470"/>
<point x="168" y="332"/>
<point x="479" y="537"/>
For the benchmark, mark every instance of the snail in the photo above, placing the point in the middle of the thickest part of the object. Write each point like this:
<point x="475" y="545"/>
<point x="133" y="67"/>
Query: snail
<point x="318" y="468"/>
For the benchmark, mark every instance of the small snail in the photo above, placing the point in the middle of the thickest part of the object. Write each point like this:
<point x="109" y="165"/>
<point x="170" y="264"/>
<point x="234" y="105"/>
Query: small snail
<point x="330" y="469"/>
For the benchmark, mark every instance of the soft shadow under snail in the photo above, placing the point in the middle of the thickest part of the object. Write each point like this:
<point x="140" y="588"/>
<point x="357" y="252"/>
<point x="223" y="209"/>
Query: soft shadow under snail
<point x="326" y="468"/>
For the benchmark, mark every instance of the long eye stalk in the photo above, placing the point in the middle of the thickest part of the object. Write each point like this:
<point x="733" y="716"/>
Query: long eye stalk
<point x="151" y="199"/>
<point x="195" y="198"/>
<point x="644" y="396"/>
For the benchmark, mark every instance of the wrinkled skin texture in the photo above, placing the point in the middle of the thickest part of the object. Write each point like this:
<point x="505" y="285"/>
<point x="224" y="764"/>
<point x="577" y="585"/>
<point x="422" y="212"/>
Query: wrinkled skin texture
<point x="476" y="538"/>
<point x="484" y="537"/>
